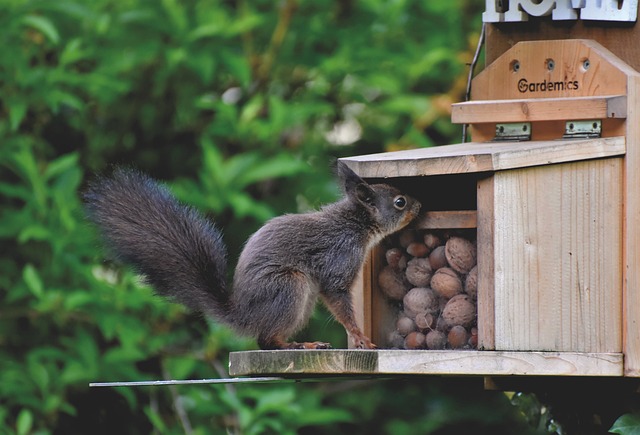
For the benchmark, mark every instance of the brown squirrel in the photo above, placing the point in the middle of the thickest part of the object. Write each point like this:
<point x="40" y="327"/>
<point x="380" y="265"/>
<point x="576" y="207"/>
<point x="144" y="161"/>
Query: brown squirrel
<point x="282" y="269"/>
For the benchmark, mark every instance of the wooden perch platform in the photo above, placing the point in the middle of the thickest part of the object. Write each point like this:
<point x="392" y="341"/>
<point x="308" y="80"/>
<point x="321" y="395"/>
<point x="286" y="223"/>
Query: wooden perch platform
<point x="427" y="362"/>
<point x="539" y="109"/>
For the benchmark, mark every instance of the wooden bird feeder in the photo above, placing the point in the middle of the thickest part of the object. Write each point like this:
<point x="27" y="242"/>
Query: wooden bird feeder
<point x="549" y="188"/>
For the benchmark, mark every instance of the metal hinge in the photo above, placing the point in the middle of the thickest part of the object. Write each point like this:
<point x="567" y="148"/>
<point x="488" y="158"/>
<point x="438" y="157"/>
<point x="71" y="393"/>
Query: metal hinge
<point x="582" y="129"/>
<point x="517" y="131"/>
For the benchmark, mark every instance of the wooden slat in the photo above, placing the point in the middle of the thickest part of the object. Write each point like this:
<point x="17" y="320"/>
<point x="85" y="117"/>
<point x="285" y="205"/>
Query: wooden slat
<point x="428" y="362"/>
<point x="558" y="257"/>
<point x="539" y="109"/>
<point x="486" y="266"/>
<point x="433" y="220"/>
<point x="631" y="240"/>
<point x="482" y="157"/>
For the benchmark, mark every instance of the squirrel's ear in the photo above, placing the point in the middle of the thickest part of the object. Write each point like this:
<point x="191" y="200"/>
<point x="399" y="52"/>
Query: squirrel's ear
<point x="349" y="178"/>
<point x="354" y="185"/>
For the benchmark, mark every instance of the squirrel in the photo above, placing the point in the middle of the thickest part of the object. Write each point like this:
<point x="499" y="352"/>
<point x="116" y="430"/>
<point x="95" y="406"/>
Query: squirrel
<point x="283" y="268"/>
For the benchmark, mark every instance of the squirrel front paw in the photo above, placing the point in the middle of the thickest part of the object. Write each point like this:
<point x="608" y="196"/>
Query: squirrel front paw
<point x="363" y="342"/>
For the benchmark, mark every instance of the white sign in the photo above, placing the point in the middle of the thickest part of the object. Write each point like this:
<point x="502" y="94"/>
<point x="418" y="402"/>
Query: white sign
<point x="519" y="10"/>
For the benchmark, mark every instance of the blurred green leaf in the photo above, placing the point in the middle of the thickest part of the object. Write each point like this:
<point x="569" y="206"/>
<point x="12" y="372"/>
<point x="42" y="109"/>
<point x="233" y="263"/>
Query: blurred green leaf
<point x="627" y="424"/>
<point x="33" y="281"/>
<point x="44" y="25"/>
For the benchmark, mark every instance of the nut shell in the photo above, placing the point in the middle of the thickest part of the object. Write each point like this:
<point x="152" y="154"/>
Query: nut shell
<point x="417" y="249"/>
<point x="446" y="282"/>
<point x="461" y="254"/>
<point x="436" y="340"/>
<point x="419" y="272"/>
<point x="460" y="310"/>
<point x="438" y="258"/>
<point x="392" y="283"/>
<point x="458" y="337"/>
<point x="394" y="257"/>
<point x="432" y="241"/>
<point x="420" y="300"/>
<point x="415" y="340"/>
<point x="405" y="325"/>
<point x="471" y="283"/>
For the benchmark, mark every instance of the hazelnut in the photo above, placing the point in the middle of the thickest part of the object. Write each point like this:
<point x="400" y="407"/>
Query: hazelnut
<point x="436" y="340"/>
<point x="420" y="300"/>
<point x="473" y="340"/>
<point x="419" y="272"/>
<point x="471" y="283"/>
<point x="392" y="283"/>
<point x="405" y="325"/>
<point x="460" y="310"/>
<point x="446" y="282"/>
<point x="461" y="254"/>
<point x="425" y="321"/>
<point x="438" y="258"/>
<point x="415" y="340"/>
<point x="458" y="337"/>
<point x="394" y="258"/>
<point x="431" y="241"/>
<point x="417" y="249"/>
<point x="407" y="237"/>
<point x="395" y="340"/>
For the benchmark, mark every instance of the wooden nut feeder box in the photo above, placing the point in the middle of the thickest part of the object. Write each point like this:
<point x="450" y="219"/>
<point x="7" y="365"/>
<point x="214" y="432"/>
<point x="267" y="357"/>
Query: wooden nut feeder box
<point x="551" y="187"/>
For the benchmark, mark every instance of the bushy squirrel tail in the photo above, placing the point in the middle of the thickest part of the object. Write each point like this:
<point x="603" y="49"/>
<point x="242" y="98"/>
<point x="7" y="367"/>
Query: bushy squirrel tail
<point x="180" y="253"/>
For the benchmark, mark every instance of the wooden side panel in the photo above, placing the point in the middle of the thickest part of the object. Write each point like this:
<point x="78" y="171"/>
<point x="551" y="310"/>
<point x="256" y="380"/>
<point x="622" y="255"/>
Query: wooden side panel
<point x="558" y="257"/>
<point x="632" y="234"/>
<point x="361" y="298"/>
<point x="486" y="273"/>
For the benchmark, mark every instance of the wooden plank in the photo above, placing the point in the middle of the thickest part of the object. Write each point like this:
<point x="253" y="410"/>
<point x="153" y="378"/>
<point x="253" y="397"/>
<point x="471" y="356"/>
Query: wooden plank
<point x="433" y="220"/>
<point x="486" y="260"/>
<point x="622" y="40"/>
<point x="482" y="157"/>
<point x="605" y="75"/>
<point x="428" y="362"/>
<point x="631" y="239"/>
<point x="558" y="256"/>
<point x="361" y="298"/>
<point x="539" y="109"/>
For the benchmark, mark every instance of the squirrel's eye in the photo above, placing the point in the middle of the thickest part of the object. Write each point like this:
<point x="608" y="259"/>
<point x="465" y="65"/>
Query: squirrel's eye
<point x="400" y="202"/>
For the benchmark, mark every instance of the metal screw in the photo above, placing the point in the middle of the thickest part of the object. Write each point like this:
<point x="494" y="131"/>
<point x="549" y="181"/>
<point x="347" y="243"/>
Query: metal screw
<point x="550" y="64"/>
<point x="515" y="65"/>
<point x="571" y="126"/>
<point x="524" y="128"/>
<point x="586" y="64"/>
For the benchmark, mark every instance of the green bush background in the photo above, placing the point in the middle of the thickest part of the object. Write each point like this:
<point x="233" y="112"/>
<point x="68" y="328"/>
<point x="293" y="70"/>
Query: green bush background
<point x="233" y="104"/>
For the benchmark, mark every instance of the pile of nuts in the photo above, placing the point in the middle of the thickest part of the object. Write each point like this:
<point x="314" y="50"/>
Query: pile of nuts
<point x="431" y="276"/>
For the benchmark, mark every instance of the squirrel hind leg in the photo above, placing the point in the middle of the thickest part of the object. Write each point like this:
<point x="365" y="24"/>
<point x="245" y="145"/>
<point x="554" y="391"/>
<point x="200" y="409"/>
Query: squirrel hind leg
<point x="277" y="343"/>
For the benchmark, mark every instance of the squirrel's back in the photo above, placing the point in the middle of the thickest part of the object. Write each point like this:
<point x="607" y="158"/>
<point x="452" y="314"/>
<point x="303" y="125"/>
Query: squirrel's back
<point x="180" y="253"/>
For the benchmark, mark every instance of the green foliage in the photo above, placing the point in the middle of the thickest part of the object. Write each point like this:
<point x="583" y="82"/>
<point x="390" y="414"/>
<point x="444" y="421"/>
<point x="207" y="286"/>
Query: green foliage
<point x="627" y="424"/>
<point x="240" y="107"/>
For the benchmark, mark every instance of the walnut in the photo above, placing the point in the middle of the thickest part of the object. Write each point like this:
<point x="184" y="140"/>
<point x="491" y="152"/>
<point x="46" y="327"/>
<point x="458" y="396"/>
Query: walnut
<point x="471" y="283"/>
<point x="446" y="282"/>
<point x="420" y="300"/>
<point x="461" y="254"/>
<point x="392" y="283"/>
<point x="460" y="310"/>
<point x="419" y="272"/>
